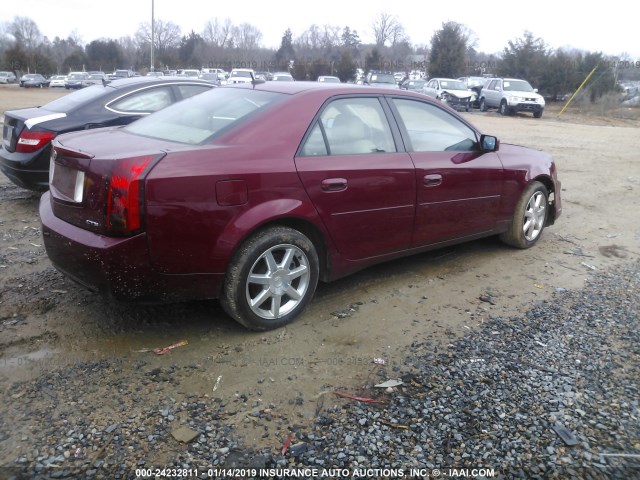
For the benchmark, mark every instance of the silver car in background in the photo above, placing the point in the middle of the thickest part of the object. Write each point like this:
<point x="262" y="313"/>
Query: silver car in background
<point x="450" y="91"/>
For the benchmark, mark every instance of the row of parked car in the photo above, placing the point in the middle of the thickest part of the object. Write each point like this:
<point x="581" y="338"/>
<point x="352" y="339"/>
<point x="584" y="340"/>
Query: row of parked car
<point x="74" y="80"/>
<point x="507" y="95"/>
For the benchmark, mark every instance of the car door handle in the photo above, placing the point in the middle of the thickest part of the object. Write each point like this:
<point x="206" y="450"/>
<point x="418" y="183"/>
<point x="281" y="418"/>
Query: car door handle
<point x="334" y="184"/>
<point x="432" y="180"/>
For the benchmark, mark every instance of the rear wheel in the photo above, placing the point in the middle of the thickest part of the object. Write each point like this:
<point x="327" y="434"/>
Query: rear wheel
<point x="529" y="217"/>
<point x="271" y="279"/>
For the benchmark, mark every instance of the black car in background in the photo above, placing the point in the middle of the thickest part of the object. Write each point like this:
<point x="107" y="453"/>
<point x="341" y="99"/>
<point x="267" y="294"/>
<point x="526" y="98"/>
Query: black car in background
<point x="27" y="133"/>
<point x="31" y="80"/>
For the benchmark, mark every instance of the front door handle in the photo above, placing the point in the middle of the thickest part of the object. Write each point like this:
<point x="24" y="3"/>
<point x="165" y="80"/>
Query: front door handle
<point x="432" y="180"/>
<point x="334" y="184"/>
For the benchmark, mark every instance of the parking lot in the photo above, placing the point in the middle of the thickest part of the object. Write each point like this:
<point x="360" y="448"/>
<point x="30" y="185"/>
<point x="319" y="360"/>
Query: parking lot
<point x="52" y="329"/>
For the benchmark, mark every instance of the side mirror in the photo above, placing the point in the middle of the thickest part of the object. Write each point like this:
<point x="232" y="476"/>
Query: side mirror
<point x="535" y="90"/>
<point x="489" y="143"/>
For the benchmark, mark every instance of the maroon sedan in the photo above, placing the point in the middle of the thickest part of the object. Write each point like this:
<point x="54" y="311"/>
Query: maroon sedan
<point x="252" y="193"/>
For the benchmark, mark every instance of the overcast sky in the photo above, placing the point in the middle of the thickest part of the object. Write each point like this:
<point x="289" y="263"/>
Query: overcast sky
<point x="560" y="24"/>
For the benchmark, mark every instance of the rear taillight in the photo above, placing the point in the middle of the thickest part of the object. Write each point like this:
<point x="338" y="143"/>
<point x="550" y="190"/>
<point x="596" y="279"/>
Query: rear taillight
<point x="30" y="141"/>
<point x="125" y="195"/>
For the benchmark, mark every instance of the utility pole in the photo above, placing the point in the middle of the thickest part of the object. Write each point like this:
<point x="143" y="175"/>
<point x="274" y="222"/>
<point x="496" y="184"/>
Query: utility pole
<point x="152" y="32"/>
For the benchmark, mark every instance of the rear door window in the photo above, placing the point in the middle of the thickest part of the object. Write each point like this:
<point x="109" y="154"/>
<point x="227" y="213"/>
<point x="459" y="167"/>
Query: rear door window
<point x="350" y="126"/>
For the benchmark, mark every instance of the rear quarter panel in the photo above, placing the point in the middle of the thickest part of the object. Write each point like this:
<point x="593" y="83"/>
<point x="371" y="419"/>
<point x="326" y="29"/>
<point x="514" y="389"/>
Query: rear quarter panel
<point x="189" y="230"/>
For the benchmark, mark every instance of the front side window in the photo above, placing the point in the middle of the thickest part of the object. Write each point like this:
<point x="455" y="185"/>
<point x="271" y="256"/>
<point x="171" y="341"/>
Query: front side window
<point x="432" y="129"/>
<point x="350" y="126"/>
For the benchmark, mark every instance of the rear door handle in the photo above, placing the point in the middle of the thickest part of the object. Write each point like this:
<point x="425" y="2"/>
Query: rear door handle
<point x="432" y="180"/>
<point x="334" y="184"/>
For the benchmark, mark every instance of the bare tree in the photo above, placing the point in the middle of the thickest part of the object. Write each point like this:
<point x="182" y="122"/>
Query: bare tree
<point x="217" y="32"/>
<point x="310" y="39"/>
<point x="167" y="35"/>
<point x="331" y="36"/>
<point x="387" y="28"/>
<point x="246" y="37"/>
<point x="26" y="33"/>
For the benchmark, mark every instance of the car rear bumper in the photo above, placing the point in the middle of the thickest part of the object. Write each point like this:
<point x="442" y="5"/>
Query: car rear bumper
<point x="25" y="169"/>
<point x="117" y="267"/>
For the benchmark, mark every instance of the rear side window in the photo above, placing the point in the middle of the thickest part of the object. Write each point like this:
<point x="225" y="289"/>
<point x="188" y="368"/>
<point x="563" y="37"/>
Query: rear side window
<point x="147" y="100"/>
<point x="350" y="126"/>
<point x="187" y="91"/>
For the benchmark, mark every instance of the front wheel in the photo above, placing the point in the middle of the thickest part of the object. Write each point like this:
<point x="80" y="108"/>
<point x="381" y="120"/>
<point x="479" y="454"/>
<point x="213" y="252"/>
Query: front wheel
<point x="271" y="279"/>
<point x="529" y="217"/>
<point x="504" y="109"/>
<point x="483" y="105"/>
<point x="538" y="114"/>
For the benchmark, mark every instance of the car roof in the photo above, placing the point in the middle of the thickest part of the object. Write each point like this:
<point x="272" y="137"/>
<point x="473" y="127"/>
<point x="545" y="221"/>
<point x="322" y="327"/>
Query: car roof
<point x="294" y="88"/>
<point x="126" y="82"/>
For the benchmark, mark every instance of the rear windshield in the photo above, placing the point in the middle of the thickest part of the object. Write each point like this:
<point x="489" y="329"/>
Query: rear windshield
<point x="199" y="119"/>
<point x="76" y="99"/>
<point x="240" y="73"/>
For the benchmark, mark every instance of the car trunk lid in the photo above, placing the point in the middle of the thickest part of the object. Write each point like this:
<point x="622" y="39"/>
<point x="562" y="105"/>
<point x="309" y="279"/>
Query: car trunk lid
<point x="16" y="121"/>
<point x="100" y="188"/>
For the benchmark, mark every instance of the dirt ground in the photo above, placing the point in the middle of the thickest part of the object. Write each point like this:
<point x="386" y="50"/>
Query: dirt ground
<point x="47" y="322"/>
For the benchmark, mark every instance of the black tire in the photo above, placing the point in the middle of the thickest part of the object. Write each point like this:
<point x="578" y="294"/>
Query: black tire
<point x="538" y="114"/>
<point x="264" y="255"/>
<point x="529" y="217"/>
<point x="504" y="109"/>
<point x="483" y="105"/>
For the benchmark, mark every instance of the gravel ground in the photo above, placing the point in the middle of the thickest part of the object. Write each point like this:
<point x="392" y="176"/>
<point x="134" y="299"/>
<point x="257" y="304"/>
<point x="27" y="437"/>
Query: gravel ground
<point x="550" y="394"/>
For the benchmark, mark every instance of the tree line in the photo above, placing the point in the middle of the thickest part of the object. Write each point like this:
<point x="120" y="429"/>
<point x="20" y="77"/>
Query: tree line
<point x="319" y="50"/>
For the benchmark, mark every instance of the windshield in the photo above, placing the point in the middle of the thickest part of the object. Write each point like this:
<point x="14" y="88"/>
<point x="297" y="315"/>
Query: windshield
<point x="452" y="85"/>
<point x="517" y="86"/>
<point x="382" y="78"/>
<point x="200" y="118"/>
<point x="476" y="82"/>
<point x="76" y="99"/>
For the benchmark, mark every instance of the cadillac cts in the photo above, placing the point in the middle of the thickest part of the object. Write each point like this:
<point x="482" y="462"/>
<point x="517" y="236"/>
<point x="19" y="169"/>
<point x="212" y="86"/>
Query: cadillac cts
<point x="252" y="193"/>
